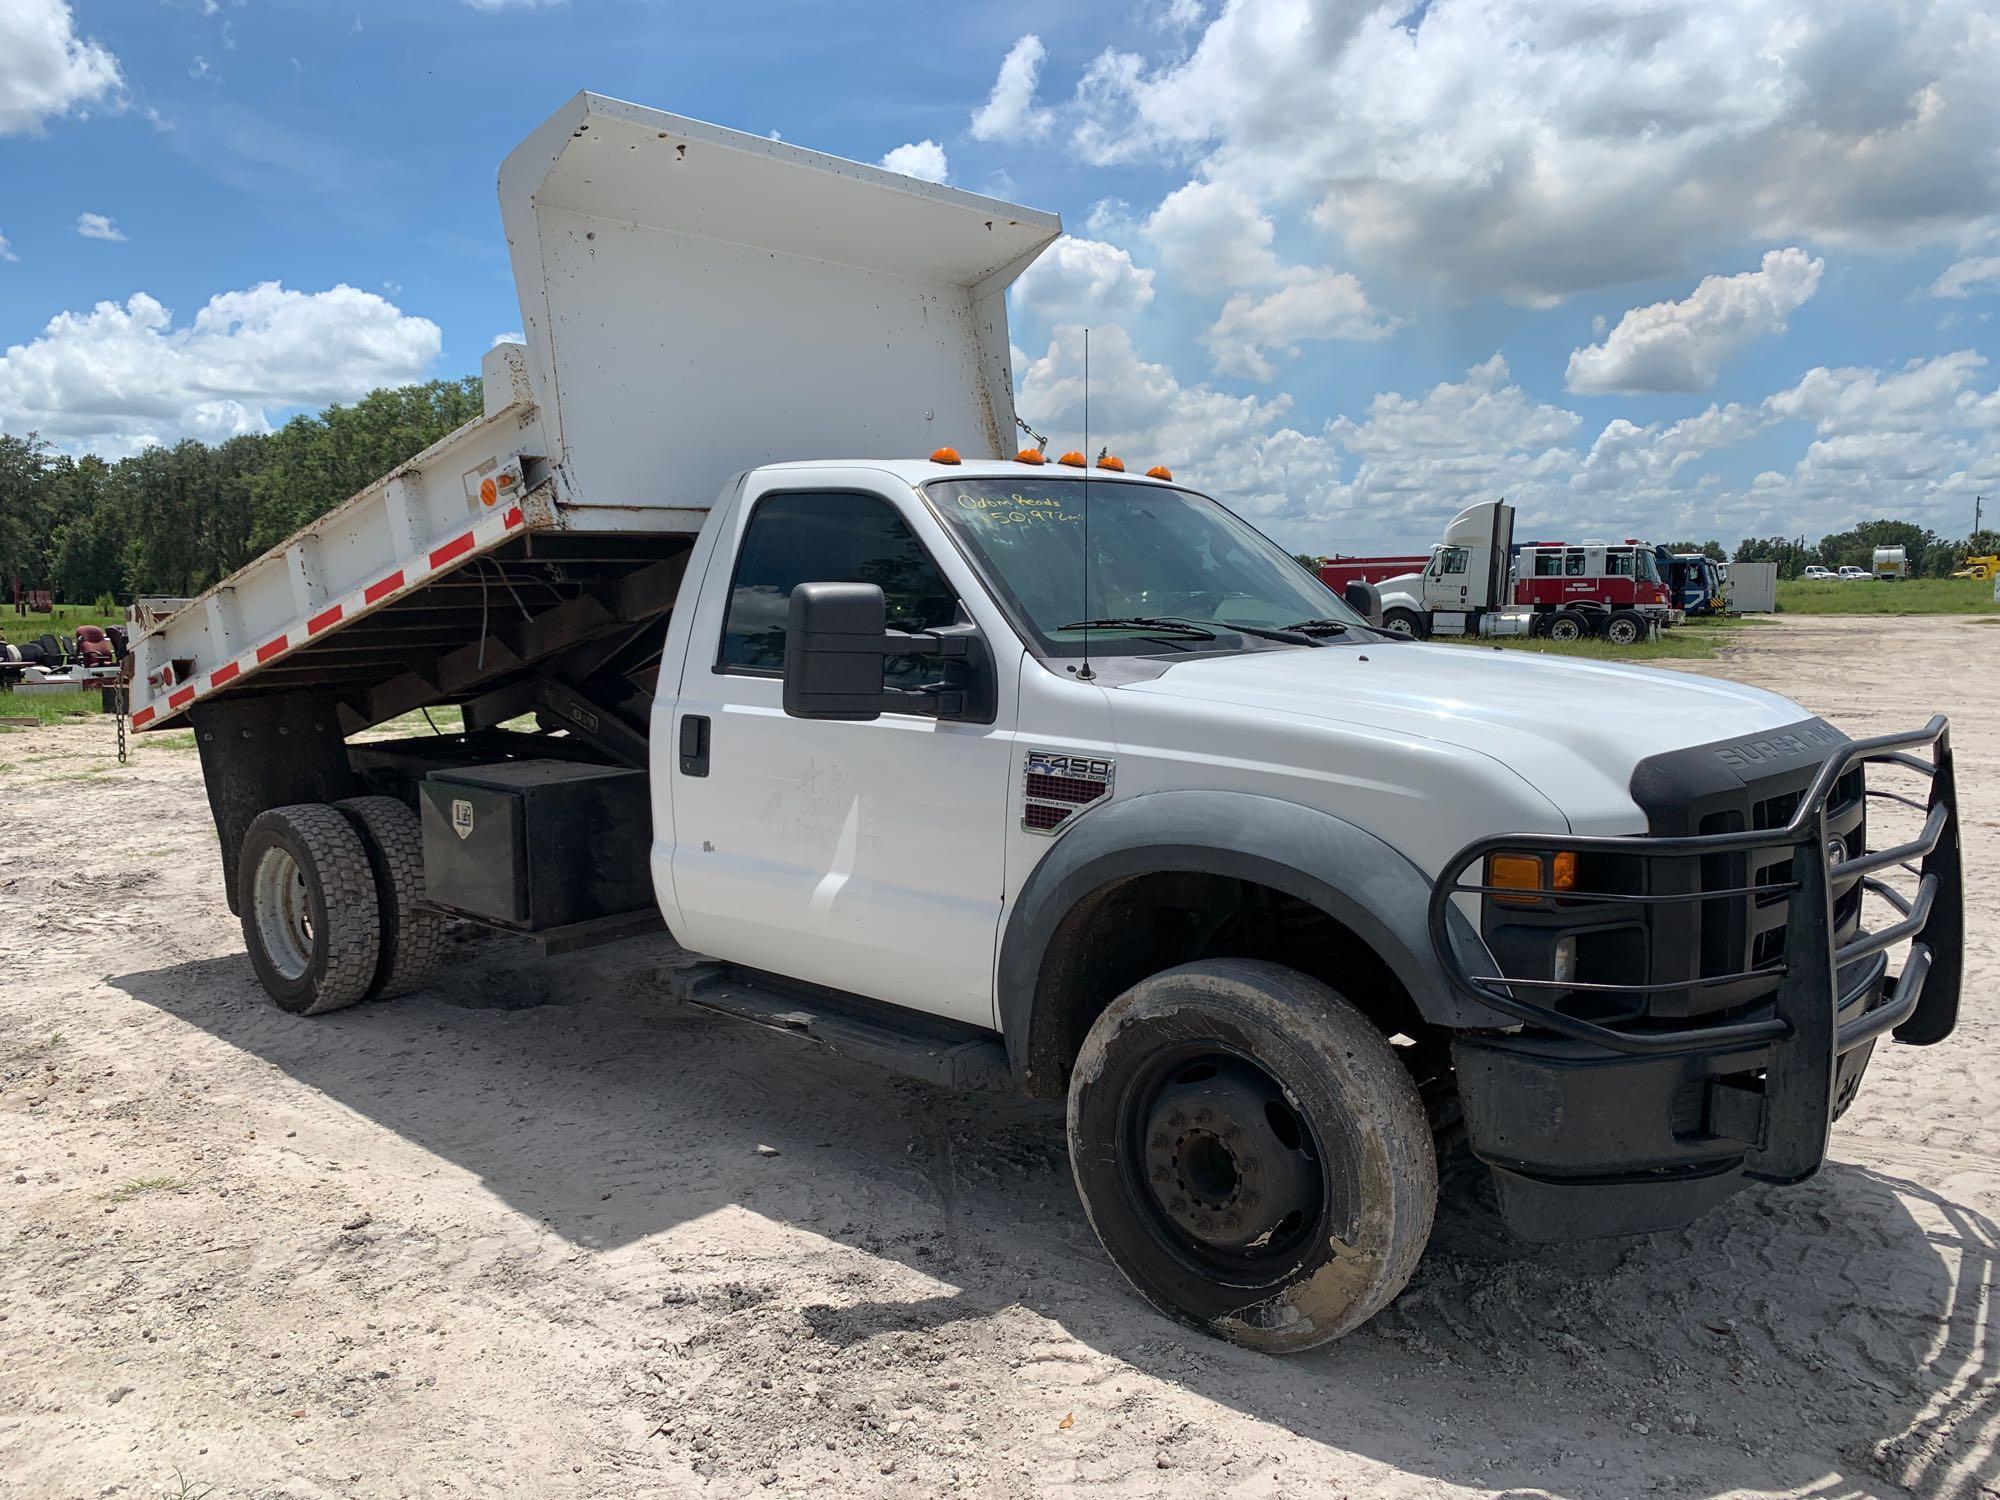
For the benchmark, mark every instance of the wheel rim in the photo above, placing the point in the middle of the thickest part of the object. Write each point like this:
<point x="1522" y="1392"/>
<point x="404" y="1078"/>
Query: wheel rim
<point x="1564" y="630"/>
<point x="283" y="910"/>
<point x="1624" y="633"/>
<point x="1399" y="625"/>
<point x="1229" y="1175"/>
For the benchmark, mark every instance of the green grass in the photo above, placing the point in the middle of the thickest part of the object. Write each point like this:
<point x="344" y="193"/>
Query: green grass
<point x="1912" y="596"/>
<point x="67" y="617"/>
<point x="51" y="708"/>
<point x="132" y="1187"/>
<point x="1697" y="640"/>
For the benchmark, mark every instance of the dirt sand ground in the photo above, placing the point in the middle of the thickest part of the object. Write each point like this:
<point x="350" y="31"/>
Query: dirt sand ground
<point x="541" y="1233"/>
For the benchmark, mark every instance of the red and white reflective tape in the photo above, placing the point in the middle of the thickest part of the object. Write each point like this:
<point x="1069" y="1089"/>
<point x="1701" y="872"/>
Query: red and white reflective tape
<point x="400" y="580"/>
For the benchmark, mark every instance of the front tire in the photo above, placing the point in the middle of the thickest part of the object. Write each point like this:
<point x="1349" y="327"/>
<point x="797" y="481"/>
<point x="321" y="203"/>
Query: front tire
<point x="1625" y="629"/>
<point x="1251" y="1153"/>
<point x="1403" y="622"/>
<point x="310" y="915"/>
<point x="1568" y="626"/>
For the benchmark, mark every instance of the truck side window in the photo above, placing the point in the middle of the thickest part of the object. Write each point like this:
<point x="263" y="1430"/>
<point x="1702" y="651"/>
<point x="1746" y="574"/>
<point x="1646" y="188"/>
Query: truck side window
<point x="1453" y="560"/>
<point x="1619" y="565"/>
<point x="1548" y="564"/>
<point x="829" y="538"/>
<point x="1573" y="565"/>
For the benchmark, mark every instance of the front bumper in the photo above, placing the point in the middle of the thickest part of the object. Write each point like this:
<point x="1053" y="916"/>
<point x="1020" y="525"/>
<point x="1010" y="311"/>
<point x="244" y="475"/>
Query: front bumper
<point x="1601" y="1127"/>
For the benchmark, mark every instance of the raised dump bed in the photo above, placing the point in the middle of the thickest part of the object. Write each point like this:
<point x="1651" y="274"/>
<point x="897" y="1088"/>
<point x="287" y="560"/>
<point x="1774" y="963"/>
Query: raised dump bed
<point x="696" y="301"/>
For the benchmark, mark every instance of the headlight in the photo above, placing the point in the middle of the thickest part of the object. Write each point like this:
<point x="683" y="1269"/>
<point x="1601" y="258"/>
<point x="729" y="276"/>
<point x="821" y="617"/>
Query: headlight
<point x="1532" y="876"/>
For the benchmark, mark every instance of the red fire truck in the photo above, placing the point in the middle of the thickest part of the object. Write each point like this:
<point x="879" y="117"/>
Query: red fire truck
<point x="1477" y="581"/>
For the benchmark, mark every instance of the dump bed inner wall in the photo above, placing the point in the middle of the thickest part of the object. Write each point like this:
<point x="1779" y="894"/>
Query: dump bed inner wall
<point x="633" y="346"/>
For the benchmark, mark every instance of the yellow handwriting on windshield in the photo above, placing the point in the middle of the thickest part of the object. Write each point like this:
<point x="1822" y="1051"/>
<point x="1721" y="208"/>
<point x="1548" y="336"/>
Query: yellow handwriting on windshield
<point x="1016" y="509"/>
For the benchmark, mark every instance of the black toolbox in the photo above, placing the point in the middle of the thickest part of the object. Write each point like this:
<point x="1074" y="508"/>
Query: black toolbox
<point x="536" y="844"/>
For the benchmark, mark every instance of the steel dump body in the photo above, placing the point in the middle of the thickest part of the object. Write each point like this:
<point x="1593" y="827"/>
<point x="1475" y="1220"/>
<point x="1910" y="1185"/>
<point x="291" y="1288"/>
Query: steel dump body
<point x="696" y="302"/>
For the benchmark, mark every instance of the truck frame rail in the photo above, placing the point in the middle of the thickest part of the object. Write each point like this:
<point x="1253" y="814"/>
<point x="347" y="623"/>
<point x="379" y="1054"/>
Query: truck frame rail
<point x="1801" y="1025"/>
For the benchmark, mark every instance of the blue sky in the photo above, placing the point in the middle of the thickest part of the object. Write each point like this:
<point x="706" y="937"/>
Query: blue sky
<point x="1664" y="270"/>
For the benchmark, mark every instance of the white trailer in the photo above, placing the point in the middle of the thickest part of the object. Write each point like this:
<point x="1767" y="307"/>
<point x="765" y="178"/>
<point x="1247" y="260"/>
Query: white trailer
<point x="1263" y="892"/>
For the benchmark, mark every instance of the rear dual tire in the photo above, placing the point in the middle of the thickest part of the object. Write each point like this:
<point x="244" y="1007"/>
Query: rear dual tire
<point x="328" y="897"/>
<point x="1252" y="1154"/>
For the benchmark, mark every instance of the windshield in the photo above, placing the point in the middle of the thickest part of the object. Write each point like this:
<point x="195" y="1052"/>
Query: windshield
<point x="1648" y="568"/>
<point x="1155" y="553"/>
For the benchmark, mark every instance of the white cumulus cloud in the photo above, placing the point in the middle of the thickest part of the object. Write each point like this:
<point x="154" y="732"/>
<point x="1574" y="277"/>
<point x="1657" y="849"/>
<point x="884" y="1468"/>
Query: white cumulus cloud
<point x="119" y="376"/>
<point x="1213" y="234"/>
<point x="923" y="159"/>
<point x="46" y="69"/>
<point x="1085" y="281"/>
<point x="1528" y="150"/>
<point x="1319" y="304"/>
<point x="98" y="227"/>
<point x="1681" y="346"/>
<point x="1010" y="112"/>
<point x="1974" y="275"/>
<point x="7" y="250"/>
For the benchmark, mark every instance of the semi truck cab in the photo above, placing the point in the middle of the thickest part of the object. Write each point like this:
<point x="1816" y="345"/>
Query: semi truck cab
<point x="1048" y="777"/>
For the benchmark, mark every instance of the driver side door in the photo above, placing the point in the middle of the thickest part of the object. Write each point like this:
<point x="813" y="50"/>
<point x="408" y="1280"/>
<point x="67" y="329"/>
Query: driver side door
<point x="866" y="856"/>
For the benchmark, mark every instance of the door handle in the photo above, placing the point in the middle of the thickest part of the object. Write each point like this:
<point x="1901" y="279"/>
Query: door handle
<point x="694" y="744"/>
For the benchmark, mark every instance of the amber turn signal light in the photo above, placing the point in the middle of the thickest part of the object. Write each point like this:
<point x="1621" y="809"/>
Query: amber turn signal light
<point x="945" y="456"/>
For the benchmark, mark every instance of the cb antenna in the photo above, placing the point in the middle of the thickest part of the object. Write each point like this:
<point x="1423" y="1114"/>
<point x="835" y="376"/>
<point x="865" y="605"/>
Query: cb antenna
<point x="1086" y="675"/>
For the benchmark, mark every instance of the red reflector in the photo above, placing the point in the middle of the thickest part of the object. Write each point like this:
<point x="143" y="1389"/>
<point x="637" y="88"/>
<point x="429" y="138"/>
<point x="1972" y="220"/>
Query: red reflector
<point x="270" y="649"/>
<point x="142" y="718"/>
<point x="320" y="621"/>
<point x="181" y="699"/>
<point x="222" y="674"/>
<point x="514" y="518"/>
<point x="382" y="587"/>
<point x="456" y="547"/>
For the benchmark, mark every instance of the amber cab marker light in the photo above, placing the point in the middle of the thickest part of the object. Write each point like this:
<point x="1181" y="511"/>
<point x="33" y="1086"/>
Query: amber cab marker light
<point x="1562" y="872"/>
<point x="1072" y="459"/>
<point x="1112" y="462"/>
<point x="1029" y="456"/>
<point x="945" y="456"/>
<point x="1159" y="471"/>
<point x="1515" y="872"/>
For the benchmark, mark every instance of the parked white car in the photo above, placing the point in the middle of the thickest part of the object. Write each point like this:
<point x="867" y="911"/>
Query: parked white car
<point x="1816" y="571"/>
<point x="1850" y="572"/>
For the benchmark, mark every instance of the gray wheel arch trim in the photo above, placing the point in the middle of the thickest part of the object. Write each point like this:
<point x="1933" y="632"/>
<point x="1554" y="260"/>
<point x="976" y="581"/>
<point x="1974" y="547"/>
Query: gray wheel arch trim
<point x="1344" y="870"/>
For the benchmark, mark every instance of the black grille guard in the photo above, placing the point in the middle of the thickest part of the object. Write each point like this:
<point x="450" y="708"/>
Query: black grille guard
<point x="1802" y="1029"/>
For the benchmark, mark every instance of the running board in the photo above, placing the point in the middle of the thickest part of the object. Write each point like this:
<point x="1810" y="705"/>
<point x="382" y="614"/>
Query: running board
<point x="945" y="1053"/>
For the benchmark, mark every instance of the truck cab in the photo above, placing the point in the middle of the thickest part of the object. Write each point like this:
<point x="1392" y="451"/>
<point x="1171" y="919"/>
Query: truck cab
<point x="1047" y="777"/>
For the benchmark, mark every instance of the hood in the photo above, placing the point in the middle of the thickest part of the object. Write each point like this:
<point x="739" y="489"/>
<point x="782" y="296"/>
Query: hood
<point x="1574" y="730"/>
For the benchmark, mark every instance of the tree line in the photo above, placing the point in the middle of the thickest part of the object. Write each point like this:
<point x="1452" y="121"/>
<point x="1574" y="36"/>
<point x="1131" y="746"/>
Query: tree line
<point x="174" y="520"/>
<point x="1930" y="555"/>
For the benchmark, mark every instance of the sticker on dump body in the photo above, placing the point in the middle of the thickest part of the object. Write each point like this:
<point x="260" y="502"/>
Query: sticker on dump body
<point x="461" y="817"/>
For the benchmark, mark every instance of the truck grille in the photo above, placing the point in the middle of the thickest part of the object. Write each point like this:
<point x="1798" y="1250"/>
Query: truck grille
<point x="1730" y="934"/>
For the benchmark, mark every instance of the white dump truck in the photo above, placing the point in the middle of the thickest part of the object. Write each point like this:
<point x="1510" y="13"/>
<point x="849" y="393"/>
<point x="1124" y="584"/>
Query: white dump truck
<point x="1028" y="775"/>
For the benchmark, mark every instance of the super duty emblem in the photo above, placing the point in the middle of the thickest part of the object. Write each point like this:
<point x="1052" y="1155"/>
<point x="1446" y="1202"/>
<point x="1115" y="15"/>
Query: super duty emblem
<point x="1792" y="742"/>
<point x="1055" y="787"/>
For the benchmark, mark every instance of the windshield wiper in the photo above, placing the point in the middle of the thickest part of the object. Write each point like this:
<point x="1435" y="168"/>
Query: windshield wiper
<point x="1319" y="627"/>
<point x="1145" y="622"/>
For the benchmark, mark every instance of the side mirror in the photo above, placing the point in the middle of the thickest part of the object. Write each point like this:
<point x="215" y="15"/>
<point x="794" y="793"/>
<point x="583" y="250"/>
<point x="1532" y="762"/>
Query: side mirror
<point x="836" y="641"/>
<point x="1365" y="600"/>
